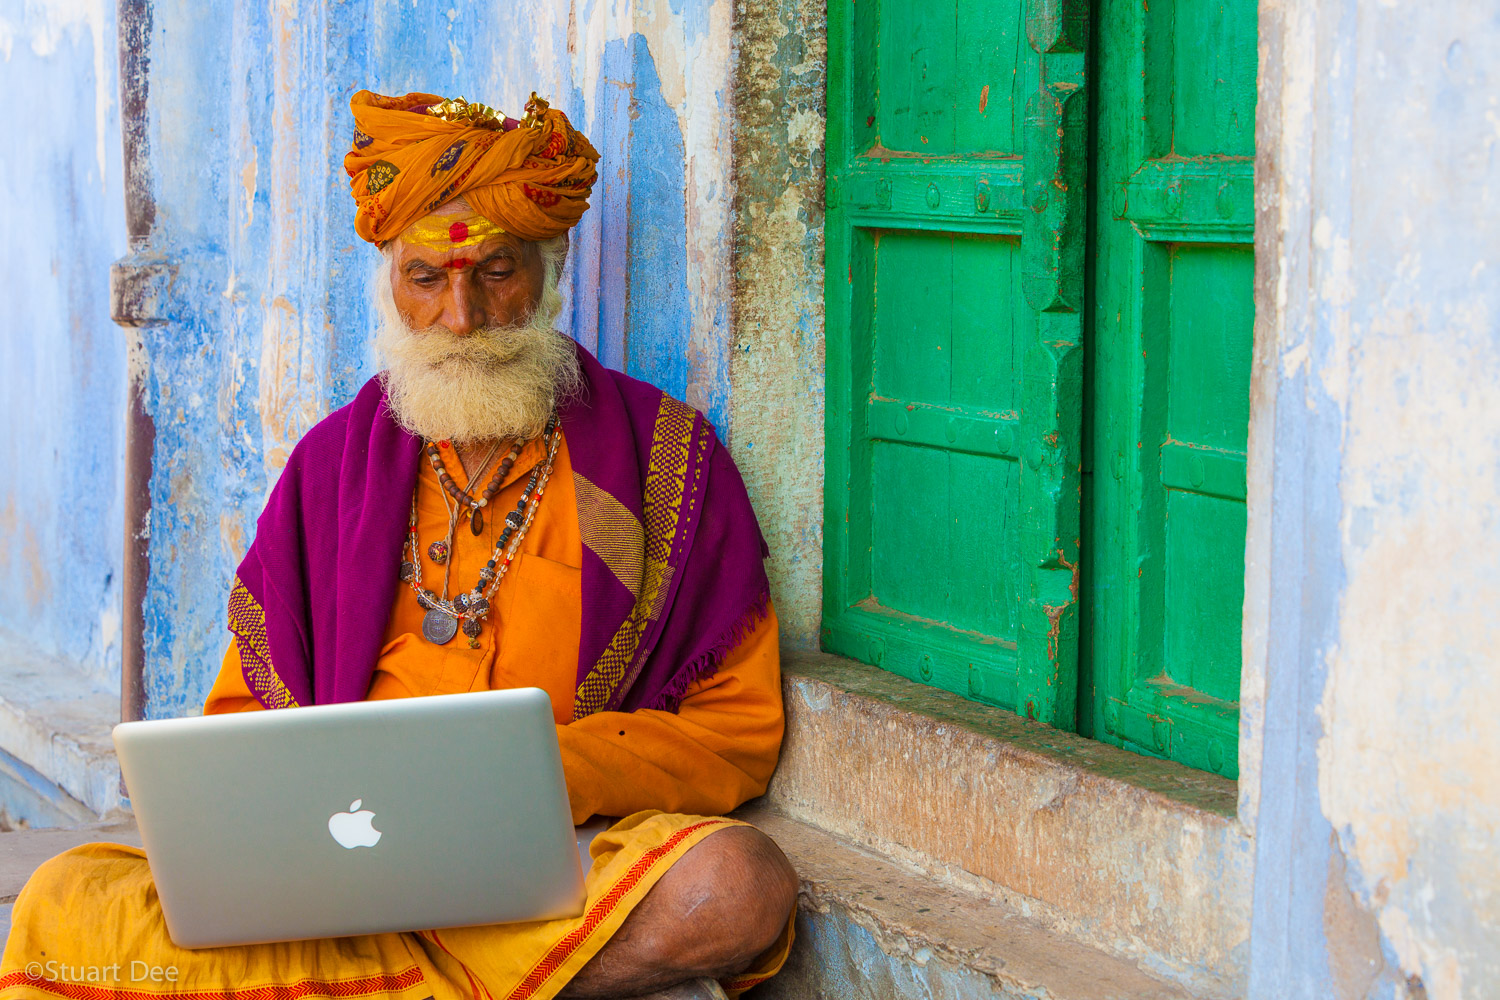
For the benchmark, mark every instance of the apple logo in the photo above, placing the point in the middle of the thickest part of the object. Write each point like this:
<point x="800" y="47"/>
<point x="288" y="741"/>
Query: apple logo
<point x="353" y="828"/>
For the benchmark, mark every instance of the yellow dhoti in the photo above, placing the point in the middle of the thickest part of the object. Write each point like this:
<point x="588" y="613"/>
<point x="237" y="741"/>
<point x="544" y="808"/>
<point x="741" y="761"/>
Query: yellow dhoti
<point x="88" y="926"/>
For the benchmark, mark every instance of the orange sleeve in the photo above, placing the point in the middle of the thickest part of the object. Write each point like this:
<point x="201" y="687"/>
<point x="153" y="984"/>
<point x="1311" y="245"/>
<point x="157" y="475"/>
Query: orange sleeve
<point x="712" y="755"/>
<point x="230" y="693"/>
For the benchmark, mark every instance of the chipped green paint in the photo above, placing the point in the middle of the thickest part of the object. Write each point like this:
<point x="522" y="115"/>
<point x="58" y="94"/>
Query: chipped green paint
<point x="1170" y="378"/>
<point x="957" y="551"/>
<point x="1053" y="237"/>
<point x="954" y="287"/>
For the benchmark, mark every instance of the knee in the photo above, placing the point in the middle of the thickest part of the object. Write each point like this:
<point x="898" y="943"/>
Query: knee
<point x="720" y="906"/>
<point x="752" y="879"/>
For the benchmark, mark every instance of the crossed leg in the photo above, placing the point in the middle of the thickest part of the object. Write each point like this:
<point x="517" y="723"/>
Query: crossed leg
<point x="718" y="908"/>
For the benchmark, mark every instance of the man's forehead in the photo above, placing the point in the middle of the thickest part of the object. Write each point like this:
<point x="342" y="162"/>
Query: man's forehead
<point x="443" y="231"/>
<point x="455" y="231"/>
<point x="413" y="256"/>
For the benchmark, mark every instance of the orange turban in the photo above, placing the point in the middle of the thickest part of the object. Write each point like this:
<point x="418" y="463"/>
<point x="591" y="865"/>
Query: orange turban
<point x="413" y="154"/>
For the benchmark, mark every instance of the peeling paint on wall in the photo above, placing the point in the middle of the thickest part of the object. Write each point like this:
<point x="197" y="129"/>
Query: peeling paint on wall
<point x="1380" y="198"/>
<point x="1409" y="763"/>
<point x="63" y="361"/>
<point x="270" y="315"/>
<point x="776" y="366"/>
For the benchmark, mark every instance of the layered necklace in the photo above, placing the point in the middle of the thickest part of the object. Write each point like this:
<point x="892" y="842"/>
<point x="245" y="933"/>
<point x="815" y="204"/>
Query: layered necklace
<point x="469" y="608"/>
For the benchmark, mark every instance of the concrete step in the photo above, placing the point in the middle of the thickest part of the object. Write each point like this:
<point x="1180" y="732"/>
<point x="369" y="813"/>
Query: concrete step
<point x="868" y="929"/>
<point x="22" y="851"/>
<point x="57" y="760"/>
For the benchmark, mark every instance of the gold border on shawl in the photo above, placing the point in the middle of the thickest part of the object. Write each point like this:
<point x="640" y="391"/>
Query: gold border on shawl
<point x="247" y="620"/>
<point x="666" y="478"/>
<point x="611" y="532"/>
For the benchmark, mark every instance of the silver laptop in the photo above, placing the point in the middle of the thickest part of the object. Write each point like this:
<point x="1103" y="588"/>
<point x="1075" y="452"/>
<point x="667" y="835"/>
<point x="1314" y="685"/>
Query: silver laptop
<point x="327" y="821"/>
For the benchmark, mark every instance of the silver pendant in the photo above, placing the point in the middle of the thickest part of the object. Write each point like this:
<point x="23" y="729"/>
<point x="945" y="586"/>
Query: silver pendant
<point x="438" y="627"/>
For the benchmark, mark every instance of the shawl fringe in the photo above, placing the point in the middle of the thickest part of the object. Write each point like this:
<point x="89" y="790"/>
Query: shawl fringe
<point x="707" y="663"/>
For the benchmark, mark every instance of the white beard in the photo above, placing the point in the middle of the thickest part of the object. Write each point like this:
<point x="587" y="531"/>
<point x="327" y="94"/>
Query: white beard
<point x="494" y="383"/>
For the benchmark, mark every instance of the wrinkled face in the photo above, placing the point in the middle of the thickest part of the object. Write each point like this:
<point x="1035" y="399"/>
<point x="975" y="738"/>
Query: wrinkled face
<point x="466" y="331"/>
<point x="465" y="286"/>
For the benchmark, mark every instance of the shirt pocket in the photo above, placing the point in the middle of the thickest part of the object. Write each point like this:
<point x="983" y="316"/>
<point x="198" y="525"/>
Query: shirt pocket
<point x="538" y="644"/>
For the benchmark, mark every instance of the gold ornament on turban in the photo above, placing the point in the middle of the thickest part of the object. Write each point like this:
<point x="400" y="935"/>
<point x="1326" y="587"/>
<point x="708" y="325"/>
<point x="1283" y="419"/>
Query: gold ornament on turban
<point x="413" y="154"/>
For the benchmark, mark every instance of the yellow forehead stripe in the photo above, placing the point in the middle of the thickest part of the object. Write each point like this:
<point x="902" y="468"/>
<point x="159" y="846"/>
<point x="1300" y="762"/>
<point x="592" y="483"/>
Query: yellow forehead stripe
<point x="451" y="233"/>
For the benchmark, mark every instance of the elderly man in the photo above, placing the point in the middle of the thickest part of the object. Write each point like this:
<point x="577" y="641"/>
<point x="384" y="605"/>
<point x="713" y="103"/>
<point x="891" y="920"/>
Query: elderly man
<point x="494" y="510"/>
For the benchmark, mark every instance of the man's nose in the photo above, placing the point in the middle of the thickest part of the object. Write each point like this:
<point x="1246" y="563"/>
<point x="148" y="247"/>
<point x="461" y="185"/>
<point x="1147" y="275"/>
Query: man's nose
<point x="464" y="311"/>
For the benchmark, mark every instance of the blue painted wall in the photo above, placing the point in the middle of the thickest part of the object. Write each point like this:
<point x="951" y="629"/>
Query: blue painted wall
<point x="268" y="317"/>
<point x="62" y="362"/>
<point x="1370" y="614"/>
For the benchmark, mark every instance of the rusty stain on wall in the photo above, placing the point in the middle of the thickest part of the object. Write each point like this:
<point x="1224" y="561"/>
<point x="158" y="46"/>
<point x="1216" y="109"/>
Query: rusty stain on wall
<point x="1354" y="958"/>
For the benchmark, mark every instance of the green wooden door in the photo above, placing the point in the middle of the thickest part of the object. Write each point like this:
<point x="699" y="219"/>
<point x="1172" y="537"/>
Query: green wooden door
<point x="963" y="530"/>
<point x="1170" y="376"/>
<point x="956" y="219"/>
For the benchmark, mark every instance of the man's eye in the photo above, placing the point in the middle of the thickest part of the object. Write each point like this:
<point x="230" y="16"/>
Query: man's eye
<point x="427" y="280"/>
<point x="498" y="273"/>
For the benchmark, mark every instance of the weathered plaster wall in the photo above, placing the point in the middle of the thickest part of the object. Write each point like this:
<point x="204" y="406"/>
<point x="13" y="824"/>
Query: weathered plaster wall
<point x="268" y="319"/>
<point x="1378" y="811"/>
<point x="776" y="361"/>
<point x="62" y="362"/>
<point x="1409" y="764"/>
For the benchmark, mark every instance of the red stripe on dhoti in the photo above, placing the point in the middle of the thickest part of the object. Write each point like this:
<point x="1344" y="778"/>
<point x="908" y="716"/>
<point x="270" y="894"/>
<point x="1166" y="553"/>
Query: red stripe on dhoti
<point x="602" y="908"/>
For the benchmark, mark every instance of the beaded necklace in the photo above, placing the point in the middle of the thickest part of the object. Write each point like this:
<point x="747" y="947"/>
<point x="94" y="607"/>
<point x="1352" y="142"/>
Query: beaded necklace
<point x="462" y="496"/>
<point x="438" y="551"/>
<point x="469" y="609"/>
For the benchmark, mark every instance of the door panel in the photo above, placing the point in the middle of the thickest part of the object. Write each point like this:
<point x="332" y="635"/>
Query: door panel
<point x="942" y="555"/>
<point x="961" y="136"/>
<point x="1171" y="343"/>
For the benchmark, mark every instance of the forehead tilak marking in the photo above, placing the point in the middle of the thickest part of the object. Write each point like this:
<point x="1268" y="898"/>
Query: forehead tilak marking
<point x="447" y="233"/>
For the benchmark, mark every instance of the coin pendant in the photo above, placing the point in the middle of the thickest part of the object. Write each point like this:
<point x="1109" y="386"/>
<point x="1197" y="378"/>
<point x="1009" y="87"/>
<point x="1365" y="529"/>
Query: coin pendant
<point x="438" y="627"/>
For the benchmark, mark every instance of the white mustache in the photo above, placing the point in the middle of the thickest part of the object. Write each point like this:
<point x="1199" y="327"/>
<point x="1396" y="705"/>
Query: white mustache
<point x="500" y="381"/>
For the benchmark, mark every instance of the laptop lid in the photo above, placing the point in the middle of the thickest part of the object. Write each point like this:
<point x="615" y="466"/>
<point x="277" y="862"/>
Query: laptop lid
<point x="359" y="818"/>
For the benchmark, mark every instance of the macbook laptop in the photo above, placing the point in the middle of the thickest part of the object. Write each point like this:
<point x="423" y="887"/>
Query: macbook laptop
<point x="333" y="820"/>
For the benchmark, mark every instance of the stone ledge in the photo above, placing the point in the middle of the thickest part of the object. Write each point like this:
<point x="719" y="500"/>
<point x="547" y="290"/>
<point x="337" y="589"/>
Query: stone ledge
<point x="868" y="928"/>
<point x="23" y="851"/>
<point x="55" y="721"/>
<point x="1135" y="857"/>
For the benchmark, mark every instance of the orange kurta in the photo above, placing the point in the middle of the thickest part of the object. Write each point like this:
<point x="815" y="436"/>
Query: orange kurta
<point x="717" y="751"/>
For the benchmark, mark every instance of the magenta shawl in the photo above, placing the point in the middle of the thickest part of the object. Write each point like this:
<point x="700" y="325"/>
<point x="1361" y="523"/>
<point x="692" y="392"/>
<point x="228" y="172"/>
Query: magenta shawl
<point x="672" y="554"/>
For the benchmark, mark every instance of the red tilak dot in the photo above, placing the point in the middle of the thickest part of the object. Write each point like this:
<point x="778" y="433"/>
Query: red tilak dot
<point x="458" y="232"/>
<point x="459" y="262"/>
